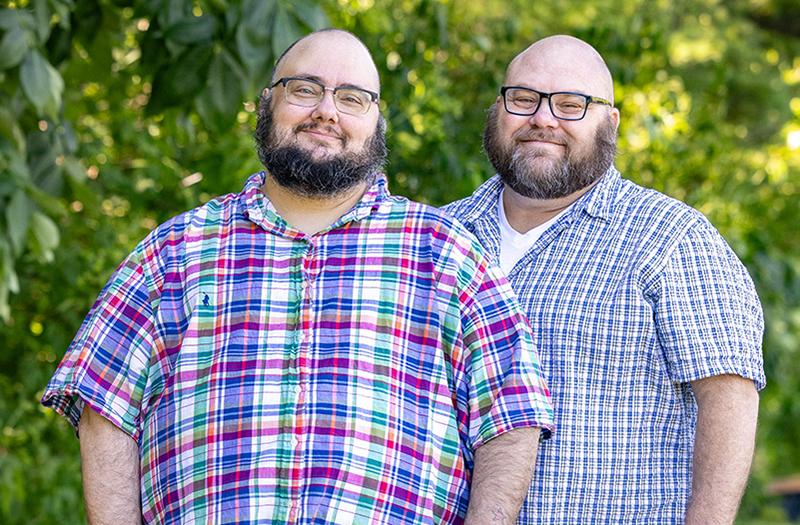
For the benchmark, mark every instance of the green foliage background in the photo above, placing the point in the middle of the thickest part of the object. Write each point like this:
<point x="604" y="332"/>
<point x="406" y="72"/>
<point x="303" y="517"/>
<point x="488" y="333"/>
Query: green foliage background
<point x="117" y="114"/>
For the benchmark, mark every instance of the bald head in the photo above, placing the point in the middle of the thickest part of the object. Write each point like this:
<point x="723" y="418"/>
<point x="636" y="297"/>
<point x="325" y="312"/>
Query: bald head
<point x="565" y="61"/>
<point x="345" y="51"/>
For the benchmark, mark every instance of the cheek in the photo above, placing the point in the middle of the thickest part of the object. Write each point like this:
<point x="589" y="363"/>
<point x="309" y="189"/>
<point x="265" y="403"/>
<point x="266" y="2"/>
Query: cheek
<point x="286" y="116"/>
<point x="510" y="125"/>
<point x="358" y="131"/>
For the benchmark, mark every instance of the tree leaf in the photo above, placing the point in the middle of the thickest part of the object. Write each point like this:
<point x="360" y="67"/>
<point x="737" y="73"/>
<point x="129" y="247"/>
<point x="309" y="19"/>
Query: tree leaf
<point x="253" y="35"/>
<point x="41" y="83"/>
<point x="8" y="277"/>
<point x="310" y="14"/>
<point x="18" y="216"/>
<point x="13" y="48"/>
<point x="45" y="235"/>
<point x="177" y="83"/>
<point x="284" y="31"/>
<point x="192" y="30"/>
<point x="222" y="98"/>
<point x="11" y="18"/>
<point x="41" y="13"/>
<point x="9" y="128"/>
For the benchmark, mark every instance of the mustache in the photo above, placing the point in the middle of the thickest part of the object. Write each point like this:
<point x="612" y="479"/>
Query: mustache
<point x="540" y="135"/>
<point x="315" y="126"/>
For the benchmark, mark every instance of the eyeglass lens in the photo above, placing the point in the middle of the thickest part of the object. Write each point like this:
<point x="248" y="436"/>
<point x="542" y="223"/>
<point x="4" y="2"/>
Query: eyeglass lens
<point x="308" y="94"/>
<point x="563" y="105"/>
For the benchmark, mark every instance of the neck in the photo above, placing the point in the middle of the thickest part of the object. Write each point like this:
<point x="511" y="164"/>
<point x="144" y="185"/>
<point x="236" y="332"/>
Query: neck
<point x="524" y="213"/>
<point x="308" y="214"/>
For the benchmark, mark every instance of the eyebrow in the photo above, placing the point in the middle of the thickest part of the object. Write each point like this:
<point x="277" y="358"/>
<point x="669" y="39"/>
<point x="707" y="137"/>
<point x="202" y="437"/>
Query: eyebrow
<point x="340" y="86"/>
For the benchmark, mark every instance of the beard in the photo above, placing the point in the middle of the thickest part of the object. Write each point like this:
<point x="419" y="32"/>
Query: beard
<point x="295" y="168"/>
<point x="560" y="177"/>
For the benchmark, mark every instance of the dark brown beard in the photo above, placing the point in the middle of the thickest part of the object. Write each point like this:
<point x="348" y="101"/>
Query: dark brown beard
<point x="295" y="169"/>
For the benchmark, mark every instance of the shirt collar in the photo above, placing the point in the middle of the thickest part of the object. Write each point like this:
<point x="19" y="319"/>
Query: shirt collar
<point x="597" y="202"/>
<point x="259" y="210"/>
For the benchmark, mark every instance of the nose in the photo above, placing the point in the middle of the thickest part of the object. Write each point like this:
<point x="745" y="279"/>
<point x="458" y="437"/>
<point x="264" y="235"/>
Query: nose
<point x="543" y="118"/>
<point x="326" y="109"/>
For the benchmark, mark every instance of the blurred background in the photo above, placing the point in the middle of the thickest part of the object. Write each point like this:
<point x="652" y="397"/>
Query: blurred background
<point x="116" y="115"/>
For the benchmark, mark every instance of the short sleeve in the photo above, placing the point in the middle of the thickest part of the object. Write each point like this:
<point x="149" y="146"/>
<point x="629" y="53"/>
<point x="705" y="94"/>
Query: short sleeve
<point x="106" y="365"/>
<point x="506" y="387"/>
<point x="708" y="316"/>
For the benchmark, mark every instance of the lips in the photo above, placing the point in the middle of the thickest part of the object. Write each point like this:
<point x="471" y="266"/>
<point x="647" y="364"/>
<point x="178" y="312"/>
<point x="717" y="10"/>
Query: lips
<point x="539" y="137"/>
<point x="319" y="131"/>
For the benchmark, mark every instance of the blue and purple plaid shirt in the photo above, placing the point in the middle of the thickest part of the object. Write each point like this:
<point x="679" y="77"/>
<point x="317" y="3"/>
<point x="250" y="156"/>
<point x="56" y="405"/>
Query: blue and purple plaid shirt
<point x="270" y="376"/>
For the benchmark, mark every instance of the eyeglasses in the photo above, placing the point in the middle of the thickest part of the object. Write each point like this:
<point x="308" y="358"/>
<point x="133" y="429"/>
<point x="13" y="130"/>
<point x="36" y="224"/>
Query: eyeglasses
<point x="564" y="105"/>
<point x="308" y="93"/>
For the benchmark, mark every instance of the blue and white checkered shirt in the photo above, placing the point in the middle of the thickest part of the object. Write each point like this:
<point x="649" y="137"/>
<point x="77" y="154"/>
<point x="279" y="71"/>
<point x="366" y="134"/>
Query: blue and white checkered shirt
<point x="631" y="295"/>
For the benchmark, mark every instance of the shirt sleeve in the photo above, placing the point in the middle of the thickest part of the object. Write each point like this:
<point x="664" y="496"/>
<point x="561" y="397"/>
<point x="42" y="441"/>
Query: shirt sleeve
<point x="106" y="365"/>
<point x="708" y="316"/>
<point x="506" y="388"/>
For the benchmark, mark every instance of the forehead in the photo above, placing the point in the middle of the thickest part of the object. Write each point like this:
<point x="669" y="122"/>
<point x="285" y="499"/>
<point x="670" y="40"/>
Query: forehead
<point x="557" y="70"/>
<point x="332" y="58"/>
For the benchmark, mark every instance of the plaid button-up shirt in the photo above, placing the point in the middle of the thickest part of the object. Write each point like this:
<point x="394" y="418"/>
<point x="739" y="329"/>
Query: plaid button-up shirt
<point x="631" y="295"/>
<point x="270" y="376"/>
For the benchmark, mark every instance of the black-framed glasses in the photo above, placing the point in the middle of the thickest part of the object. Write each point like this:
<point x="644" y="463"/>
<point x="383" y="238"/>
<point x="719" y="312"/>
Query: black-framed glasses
<point x="564" y="105"/>
<point x="308" y="93"/>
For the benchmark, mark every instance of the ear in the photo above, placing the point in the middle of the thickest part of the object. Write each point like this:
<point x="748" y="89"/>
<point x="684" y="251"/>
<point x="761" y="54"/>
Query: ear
<point x="265" y="92"/>
<point x="615" y="118"/>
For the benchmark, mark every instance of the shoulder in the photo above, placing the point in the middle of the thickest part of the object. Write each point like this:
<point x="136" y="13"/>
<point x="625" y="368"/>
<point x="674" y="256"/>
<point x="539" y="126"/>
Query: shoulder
<point x="646" y="206"/>
<point x="656" y="222"/>
<point x="461" y="207"/>
<point x="451" y="247"/>
<point x="435" y="221"/>
<point x="176" y="229"/>
<point x="471" y="208"/>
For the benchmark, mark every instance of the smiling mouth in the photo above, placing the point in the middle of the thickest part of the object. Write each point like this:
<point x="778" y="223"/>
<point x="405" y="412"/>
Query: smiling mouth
<point x="540" y="141"/>
<point x="321" y="135"/>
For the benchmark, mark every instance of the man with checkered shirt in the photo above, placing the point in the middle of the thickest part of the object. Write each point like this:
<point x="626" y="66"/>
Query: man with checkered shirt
<point x="311" y="349"/>
<point x="648" y="326"/>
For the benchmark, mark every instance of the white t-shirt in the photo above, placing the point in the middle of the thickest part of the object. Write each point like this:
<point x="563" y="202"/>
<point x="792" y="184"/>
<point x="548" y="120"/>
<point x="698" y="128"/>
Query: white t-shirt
<point x="513" y="244"/>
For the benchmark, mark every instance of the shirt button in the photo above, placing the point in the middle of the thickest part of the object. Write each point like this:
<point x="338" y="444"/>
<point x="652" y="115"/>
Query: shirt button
<point x="295" y="442"/>
<point x="298" y="389"/>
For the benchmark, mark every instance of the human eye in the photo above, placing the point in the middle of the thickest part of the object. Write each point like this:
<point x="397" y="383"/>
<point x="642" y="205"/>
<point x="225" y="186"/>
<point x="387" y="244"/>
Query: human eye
<point x="303" y="89"/>
<point x="524" y="99"/>
<point x="351" y="98"/>
<point x="570" y="103"/>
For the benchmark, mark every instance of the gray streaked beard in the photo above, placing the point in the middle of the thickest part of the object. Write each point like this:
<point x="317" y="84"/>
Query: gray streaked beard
<point x="557" y="180"/>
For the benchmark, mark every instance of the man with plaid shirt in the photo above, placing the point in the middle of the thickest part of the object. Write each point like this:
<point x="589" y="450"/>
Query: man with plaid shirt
<point x="648" y="326"/>
<point x="310" y="350"/>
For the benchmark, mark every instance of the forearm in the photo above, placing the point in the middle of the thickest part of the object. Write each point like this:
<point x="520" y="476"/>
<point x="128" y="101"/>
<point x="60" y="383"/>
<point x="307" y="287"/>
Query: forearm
<point x="723" y="449"/>
<point x="501" y="476"/>
<point x="110" y="468"/>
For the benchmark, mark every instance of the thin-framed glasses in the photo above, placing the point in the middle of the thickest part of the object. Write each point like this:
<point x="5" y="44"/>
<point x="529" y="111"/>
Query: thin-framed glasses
<point x="308" y="93"/>
<point x="564" y="105"/>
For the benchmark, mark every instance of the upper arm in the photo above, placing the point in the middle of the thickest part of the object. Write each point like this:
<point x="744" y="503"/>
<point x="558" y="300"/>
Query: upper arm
<point x="728" y="391"/>
<point x="707" y="312"/>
